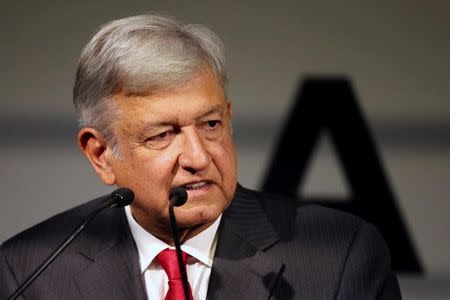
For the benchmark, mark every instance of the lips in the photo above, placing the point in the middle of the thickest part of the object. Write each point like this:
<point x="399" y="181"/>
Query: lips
<point x="196" y="185"/>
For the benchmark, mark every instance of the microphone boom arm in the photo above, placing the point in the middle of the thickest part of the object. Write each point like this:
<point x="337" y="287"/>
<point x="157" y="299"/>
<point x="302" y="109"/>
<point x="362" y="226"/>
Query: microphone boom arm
<point x="176" y="199"/>
<point x="119" y="198"/>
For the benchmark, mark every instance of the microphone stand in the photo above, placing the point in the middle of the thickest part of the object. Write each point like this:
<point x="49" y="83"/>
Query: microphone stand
<point x="119" y="198"/>
<point x="176" y="240"/>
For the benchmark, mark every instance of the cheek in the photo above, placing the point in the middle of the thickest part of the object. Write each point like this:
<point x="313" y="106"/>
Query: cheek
<point x="148" y="172"/>
<point x="151" y="177"/>
<point x="224" y="157"/>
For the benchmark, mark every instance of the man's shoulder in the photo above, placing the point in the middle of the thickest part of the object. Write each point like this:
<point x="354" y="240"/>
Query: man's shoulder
<point x="289" y="216"/>
<point x="327" y="253"/>
<point x="24" y="252"/>
<point x="52" y="231"/>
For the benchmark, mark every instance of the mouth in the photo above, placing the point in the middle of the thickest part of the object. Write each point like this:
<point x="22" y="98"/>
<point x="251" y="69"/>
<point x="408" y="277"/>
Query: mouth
<point x="196" y="185"/>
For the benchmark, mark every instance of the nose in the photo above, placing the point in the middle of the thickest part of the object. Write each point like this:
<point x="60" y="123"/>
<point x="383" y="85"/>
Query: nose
<point x="194" y="156"/>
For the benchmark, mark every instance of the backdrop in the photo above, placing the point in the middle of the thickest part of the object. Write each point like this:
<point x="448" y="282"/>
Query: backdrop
<point x="396" y="54"/>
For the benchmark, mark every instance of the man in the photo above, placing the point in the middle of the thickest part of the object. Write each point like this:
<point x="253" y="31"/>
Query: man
<point x="154" y="115"/>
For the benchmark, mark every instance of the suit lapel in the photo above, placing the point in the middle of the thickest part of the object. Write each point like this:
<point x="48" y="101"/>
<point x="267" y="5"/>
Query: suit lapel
<point x="241" y="268"/>
<point x="114" y="271"/>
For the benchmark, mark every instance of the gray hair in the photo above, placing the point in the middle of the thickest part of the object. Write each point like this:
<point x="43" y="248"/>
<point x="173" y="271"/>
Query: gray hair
<point x="138" y="55"/>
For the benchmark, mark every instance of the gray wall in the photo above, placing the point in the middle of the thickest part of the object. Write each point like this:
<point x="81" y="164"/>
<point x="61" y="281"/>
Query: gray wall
<point x="397" y="54"/>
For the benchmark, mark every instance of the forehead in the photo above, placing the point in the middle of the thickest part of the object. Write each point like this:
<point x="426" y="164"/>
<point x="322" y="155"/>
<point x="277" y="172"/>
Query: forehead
<point x="199" y="96"/>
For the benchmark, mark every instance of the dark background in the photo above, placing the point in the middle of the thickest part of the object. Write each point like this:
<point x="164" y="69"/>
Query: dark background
<point x="396" y="53"/>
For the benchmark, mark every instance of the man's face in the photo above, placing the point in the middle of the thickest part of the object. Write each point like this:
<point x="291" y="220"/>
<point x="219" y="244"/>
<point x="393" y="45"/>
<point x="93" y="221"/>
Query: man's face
<point x="177" y="138"/>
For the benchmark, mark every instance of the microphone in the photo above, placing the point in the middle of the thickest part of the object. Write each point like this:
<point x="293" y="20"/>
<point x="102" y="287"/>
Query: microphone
<point x="178" y="197"/>
<point x="119" y="198"/>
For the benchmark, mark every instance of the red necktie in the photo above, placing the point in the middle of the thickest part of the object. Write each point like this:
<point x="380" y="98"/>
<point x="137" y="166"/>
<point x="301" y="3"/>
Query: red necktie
<point x="168" y="261"/>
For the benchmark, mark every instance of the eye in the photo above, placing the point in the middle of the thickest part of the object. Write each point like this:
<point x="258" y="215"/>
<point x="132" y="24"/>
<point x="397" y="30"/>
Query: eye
<point x="212" y="124"/>
<point x="211" y="129"/>
<point x="162" y="135"/>
<point x="160" y="140"/>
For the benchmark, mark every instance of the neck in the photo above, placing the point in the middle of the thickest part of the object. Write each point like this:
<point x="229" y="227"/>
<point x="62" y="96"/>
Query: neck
<point x="163" y="230"/>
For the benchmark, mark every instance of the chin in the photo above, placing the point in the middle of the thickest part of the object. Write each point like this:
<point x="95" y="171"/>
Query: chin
<point x="198" y="215"/>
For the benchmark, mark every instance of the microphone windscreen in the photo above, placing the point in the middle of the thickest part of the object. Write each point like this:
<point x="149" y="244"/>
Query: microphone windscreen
<point x="179" y="194"/>
<point x="123" y="196"/>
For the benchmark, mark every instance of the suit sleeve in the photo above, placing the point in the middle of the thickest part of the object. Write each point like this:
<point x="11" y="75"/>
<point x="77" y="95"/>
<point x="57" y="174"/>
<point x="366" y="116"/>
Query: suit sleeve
<point x="367" y="272"/>
<point x="7" y="281"/>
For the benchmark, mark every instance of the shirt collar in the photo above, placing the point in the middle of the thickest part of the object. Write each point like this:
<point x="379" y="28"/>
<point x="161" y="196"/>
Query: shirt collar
<point x="202" y="246"/>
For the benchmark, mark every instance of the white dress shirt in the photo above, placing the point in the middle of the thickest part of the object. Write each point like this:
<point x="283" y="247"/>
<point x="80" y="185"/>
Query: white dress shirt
<point x="201" y="249"/>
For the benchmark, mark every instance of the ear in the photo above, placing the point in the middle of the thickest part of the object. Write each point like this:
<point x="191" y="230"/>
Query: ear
<point x="230" y="115"/>
<point x="230" y="108"/>
<point x="95" y="148"/>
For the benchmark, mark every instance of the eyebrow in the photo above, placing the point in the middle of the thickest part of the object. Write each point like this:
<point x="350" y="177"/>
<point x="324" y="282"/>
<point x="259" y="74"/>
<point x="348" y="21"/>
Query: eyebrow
<point x="216" y="109"/>
<point x="149" y="126"/>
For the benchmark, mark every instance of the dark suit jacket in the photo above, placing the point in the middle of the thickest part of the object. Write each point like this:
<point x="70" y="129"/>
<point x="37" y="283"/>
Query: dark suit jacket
<point x="268" y="247"/>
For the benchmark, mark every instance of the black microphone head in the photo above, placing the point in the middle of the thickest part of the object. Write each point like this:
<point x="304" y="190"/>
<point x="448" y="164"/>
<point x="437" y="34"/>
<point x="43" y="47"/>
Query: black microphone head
<point x="178" y="195"/>
<point x="123" y="197"/>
